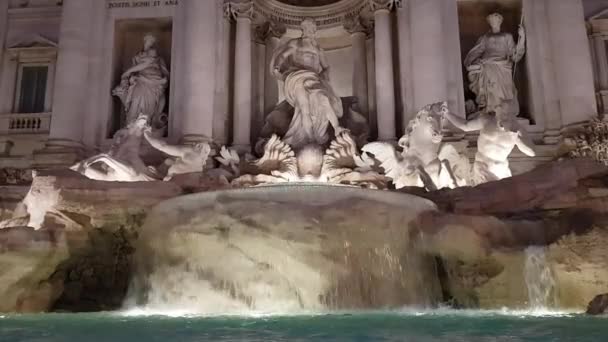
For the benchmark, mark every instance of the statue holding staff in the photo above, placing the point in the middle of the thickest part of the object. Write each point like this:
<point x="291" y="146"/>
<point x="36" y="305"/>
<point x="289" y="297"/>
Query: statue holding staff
<point x="490" y="65"/>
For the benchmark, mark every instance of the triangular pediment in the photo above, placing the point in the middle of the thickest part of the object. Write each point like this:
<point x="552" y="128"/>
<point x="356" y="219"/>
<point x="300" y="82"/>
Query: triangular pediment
<point x="32" y="40"/>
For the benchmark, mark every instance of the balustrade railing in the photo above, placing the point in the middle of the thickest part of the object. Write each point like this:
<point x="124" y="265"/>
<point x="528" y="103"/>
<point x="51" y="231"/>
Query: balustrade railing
<point x="37" y="123"/>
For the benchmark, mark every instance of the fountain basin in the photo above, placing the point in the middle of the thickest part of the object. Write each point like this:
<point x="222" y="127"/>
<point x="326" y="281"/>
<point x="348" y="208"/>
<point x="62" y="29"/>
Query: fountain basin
<point x="284" y="248"/>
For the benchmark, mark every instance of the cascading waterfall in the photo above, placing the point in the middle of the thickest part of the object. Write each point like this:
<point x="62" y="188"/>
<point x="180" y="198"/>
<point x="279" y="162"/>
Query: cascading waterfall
<point x="539" y="279"/>
<point x="287" y="249"/>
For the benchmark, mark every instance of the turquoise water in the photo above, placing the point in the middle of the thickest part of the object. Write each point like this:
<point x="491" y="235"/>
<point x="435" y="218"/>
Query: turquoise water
<point x="410" y="326"/>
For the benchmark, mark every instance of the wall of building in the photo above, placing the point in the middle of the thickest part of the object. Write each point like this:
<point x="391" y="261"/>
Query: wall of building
<point x="341" y="70"/>
<point x="429" y="41"/>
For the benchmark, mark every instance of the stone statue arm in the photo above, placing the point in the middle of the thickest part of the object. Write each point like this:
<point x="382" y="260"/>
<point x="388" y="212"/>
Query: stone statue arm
<point x="161" y="145"/>
<point x="463" y="124"/>
<point x="136" y="68"/>
<point x="324" y="65"/>
<point x="525" y="143"/>
<point x="475" y="53"/>
<point x="520" y="49"/>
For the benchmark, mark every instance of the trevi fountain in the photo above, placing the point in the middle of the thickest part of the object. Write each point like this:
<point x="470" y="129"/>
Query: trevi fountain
<point x="314" y="221"/>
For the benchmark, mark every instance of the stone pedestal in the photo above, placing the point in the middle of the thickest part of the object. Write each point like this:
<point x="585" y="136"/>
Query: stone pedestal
<point x="385" y="79"/>
<point x="65" y="146"/>
<point x="242" y="13"/>
<point x="198" y="18"/>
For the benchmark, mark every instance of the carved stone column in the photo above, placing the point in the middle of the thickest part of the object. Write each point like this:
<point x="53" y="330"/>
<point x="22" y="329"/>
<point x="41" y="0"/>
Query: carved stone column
<point x="598" y="43"/>
<point x="601" y="61"/>
<point x="3" y="27"/>
<point x="242" y="13"/>
<point x="385" y="81"/>
<point x="198" y="69"/>
<point x="223" y="101"/>
<point x="271" y="86"/>
<point x="358" y="32"/>
<point x="429" y="67"/>
<point x="69" y="100"/>
<point x="6" y="83"/>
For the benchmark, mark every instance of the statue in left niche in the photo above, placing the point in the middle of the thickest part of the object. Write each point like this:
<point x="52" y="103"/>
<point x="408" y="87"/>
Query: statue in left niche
<point x="142" y="86"/>
<point x="122" y="163"/>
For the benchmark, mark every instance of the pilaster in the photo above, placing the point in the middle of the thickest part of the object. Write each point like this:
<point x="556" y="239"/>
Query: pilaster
<point x="65" y="145"/>
<point x="573" y="69"/>
<point x="243" y="13"/>
<point x="199" y="68"/>
<point x="359" y="30"/>
<point x="223" y="75"/>
<point x="385" y="79"/>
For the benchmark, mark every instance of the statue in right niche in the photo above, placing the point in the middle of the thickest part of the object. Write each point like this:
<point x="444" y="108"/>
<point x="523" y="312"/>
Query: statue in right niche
<point x="490" y="65"/>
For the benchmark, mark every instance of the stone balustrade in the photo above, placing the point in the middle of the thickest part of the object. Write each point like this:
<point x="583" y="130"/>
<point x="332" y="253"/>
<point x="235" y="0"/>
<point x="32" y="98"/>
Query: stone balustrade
<point x="37" y="123"/>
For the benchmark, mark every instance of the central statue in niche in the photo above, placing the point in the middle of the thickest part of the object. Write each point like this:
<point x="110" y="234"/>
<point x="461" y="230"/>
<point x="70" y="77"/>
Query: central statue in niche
<point x="301" y="64"/>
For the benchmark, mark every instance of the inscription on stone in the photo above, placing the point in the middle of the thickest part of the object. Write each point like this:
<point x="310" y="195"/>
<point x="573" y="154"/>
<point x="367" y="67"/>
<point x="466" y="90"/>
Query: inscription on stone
<point x="114" y="4"/>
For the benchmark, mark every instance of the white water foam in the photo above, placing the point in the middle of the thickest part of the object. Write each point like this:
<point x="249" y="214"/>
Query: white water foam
<point x="408" y="311"/>
<point x="539" y="280"/>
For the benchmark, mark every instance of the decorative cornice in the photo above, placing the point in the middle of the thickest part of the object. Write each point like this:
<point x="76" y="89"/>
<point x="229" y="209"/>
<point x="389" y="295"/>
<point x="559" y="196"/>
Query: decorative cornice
<point x="34" y="13"/>
<point x="387" y="5"/>
<point x="32" y="53"/>
<point x="328" y="16"/>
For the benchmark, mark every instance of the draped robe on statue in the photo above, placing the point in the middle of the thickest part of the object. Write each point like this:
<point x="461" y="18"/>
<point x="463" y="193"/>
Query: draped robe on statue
<point x="313" y="100"/>
<point x="142" y="91"/>
<point x="300" y="64"/>
<point x="490" y="66"/>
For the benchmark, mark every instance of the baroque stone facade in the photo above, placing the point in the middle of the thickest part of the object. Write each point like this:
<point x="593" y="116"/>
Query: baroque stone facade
<point x="62" y="59"/>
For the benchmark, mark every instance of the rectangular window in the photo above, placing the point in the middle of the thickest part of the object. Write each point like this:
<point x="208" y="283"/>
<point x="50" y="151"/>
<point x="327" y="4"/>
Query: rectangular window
<point x="32" y="93"/>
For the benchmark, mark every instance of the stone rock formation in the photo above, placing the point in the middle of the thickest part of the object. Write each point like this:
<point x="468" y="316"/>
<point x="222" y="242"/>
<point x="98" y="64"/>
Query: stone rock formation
<point x="473" y="249"/>
<point x="290" y="248"/>
<point x="599" y="305"/>
<point x="591" y="142"/>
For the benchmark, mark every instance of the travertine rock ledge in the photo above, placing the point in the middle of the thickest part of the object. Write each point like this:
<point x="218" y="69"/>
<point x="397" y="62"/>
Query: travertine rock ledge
<point x="81" y="259"/>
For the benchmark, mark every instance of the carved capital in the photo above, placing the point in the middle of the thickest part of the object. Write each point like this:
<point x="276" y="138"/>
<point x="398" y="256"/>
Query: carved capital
<point x="389" y="5"/>
<point x="227" y="10"/>
<point x="240" y="9"/>
<point x="277" y="30"/>
<point x="269" y="29"/>
<point x="356" y="24"/>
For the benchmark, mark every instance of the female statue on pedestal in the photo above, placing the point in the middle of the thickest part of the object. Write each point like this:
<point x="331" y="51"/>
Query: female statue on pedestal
<point x="490" y="66"/>
<point x="142" y="87"/>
